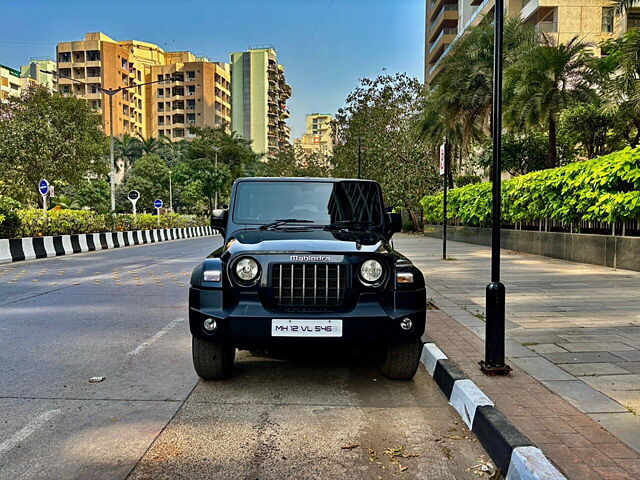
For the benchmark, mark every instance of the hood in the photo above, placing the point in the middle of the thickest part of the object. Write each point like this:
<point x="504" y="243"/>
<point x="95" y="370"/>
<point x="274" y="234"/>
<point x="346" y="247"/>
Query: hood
<point x="307" y="241"/>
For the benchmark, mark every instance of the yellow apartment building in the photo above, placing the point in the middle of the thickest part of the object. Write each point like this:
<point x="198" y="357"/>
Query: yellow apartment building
<point x="10" y="82"/>
<point x="591" y="20"/>
<point x="259" y="100"/>
<point x="147" y="110"/>
<point x="318" y="136"/>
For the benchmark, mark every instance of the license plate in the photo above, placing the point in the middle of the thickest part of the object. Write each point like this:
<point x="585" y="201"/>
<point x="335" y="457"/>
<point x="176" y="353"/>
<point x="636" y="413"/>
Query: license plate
<point x="306" y="328"/>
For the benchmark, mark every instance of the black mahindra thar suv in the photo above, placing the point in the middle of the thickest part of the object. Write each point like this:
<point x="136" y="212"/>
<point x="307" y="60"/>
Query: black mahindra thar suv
<point x="306" y="261"/>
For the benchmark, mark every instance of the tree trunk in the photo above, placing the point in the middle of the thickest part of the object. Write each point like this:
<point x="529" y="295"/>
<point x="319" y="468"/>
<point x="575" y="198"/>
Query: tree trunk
<point x="413" y="217"/>
<point x="552" y="158"/>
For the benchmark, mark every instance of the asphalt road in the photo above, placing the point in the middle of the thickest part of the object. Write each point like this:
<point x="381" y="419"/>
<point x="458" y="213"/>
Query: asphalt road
<point x="121" y="314"/>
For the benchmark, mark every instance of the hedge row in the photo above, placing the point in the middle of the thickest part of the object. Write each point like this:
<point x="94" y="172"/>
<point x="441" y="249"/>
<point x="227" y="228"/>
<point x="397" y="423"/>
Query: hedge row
<point x="605" y="189"/>
<point x="35" y="223"/>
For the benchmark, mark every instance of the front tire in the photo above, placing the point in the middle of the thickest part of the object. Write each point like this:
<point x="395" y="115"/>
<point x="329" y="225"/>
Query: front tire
<point x="212" y="361"/>
<point x="401" y="360"/>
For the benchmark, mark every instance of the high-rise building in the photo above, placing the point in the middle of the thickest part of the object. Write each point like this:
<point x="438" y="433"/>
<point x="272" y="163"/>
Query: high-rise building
<point x="10" y="82"/>
<point x="199" y="96"/>
<point x="34" y="72"/>
<point x="591" y="20"/>
<point x="258" y="100"/>
<point x="161" y="109"/>
<point x="318" y="136"/>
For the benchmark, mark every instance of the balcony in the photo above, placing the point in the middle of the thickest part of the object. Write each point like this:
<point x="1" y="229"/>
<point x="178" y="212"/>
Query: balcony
<point x="547" y="26"/>
<point x="447" y="18"/>
<point x="435" y="6"/>
<point x="529" y="7"/>
<point x="444" y="38"/>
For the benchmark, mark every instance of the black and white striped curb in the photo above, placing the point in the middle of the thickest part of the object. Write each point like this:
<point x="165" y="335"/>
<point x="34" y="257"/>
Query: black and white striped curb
<point x="18" y="249"/>
<point x="511" y="451"/>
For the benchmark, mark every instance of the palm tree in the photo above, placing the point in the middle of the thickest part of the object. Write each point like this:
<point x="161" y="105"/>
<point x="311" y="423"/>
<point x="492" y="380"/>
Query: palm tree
<point x="463" y="90"/>
<point x="545" y="80"/>
<point x="620" y="82"/>
<point x="151" y="145"/>
<point x="621" y="6"/>
<point x="127" y="150"/>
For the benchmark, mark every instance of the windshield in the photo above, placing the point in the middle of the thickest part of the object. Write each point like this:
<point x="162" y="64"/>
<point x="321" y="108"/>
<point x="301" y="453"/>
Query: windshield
<point x="324" y="203"/>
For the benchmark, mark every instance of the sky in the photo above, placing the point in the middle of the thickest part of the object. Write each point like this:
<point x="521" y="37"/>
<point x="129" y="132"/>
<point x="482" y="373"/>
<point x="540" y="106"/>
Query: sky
<point x="324" y="45"/>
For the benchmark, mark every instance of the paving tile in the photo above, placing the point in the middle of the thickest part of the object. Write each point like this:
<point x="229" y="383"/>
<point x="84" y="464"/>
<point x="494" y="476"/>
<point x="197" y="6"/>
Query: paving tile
<point x="633" y="367"/>
<point x="595" y="347"/>
<point x="581" y="369"/>
<point x="542" y="369"/>
<point x="547" y="348"/>
<point x="631" y="465"/>
<point x="615" y="382"/>
<point x="617" y="450"/>
<point x="574" y="440"/>
<point x="625" y="426"/>
<point x="582" y="357"/>
<point x="584" y="397"/>
<point x="631" y="356"/>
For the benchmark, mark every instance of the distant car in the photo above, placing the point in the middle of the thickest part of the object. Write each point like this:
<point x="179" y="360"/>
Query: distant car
<point x="306" y="261"/>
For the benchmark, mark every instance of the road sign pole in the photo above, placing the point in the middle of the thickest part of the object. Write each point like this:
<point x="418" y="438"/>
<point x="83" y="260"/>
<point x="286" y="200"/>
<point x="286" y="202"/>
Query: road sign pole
<point x="443" y="173"/>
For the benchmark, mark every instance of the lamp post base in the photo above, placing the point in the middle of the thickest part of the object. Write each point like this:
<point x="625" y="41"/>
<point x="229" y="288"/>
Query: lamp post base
<point x="499" y="371"/>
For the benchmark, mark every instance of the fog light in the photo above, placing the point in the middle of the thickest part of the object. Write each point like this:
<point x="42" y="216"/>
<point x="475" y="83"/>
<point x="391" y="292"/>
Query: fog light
<point x="406" y="324"/>
<point x="210" y="324"/>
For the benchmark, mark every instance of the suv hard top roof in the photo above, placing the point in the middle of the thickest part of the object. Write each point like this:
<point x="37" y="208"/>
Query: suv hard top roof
<point x="302" y="179"/>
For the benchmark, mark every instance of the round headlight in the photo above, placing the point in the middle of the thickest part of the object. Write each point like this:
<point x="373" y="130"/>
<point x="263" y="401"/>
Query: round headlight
<point x="371" y="271"/>
<point x="247" y="269"/>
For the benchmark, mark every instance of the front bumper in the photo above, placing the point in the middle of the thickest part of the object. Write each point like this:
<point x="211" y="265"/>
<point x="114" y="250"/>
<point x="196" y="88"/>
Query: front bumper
<point x="247" y="323"/>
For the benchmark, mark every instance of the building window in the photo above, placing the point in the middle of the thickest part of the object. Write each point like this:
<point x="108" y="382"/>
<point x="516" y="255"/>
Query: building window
<point x="64" y="57"/>
<point x="191" y="118"/>
<point x="607" y="19"/>
<point x="633" y="20"/>
<point x="191" y="90"/>
<point x="161" y="121"/>
<point x="191" y="76"/>
<point x="161" y="92"/>
<point x="93" y="55"/>
<point x="191" y="104"/>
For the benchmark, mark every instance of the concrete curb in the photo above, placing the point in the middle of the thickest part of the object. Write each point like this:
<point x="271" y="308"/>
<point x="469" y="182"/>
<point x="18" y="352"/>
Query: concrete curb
<point x="511" y="451"/>
<point x="18" y="249"/>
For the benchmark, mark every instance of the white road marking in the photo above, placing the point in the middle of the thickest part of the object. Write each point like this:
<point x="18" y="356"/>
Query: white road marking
<point x="27" y="431"/>
<point x="156" y="337"/>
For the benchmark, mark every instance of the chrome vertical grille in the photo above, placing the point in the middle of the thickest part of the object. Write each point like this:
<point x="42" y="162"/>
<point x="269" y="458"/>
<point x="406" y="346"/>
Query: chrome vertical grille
<point x="307" y="284"/>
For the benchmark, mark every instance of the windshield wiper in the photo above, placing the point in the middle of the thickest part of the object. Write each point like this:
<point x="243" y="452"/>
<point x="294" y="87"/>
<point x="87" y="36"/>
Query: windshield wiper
<point x="283" y="221"/>
<point x="347" y="224"/>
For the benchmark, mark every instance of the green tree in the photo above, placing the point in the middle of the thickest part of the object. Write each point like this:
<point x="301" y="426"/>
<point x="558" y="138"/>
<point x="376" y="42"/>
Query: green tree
<point x="45" y="135"/>
<point x="126" y="151"/>
<point x="213" y="160"/>
<point x="289" y="163"/>
<point x="620" y="83"/>
<point x="382" y="120"/>
<point x="589" y="126"/>
<point x="150" y="176"/>
<point x="93" y="194"/>
<point x="546" y="79"/>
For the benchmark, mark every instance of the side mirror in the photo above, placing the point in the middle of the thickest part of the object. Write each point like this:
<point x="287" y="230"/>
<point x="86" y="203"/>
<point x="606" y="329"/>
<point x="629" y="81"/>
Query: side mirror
<point x="219" y="219"/>
<point x="395" y="222"/>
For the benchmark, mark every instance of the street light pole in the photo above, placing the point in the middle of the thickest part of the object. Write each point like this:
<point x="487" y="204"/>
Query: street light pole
<point x="112" y="169"/>
<point x="493" y="363"/>
<point x="170" y="193"/>
<point x="215" y="164"/>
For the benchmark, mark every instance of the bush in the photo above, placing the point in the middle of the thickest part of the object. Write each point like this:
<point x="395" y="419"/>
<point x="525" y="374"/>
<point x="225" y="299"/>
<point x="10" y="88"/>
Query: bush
<point x="35" y="222"/>
<point x="467" y="179"/>
<point x="605" y="189"/>
<point x="9" y="220"/>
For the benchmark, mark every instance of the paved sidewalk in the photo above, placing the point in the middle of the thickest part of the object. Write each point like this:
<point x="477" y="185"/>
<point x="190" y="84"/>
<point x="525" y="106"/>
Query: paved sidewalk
<point x="574" y="327"/>
<point x="569" y="438"/>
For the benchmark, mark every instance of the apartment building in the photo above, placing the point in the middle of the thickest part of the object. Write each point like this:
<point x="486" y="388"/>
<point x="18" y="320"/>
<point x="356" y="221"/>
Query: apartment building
<point x="34" y="72"/>
<point x="591" y="20"/>
<point x="318" y="136"/>
<point x="10" y="82"/>
<point x="198" y="94"/>
<point x="258" y="100"/>
<point x="147" y="110"/>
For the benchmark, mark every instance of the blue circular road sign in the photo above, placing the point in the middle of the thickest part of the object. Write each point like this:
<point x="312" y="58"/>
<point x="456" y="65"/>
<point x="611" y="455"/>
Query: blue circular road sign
<point x="158" y="203"/>
<point x="43" y="187"/>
